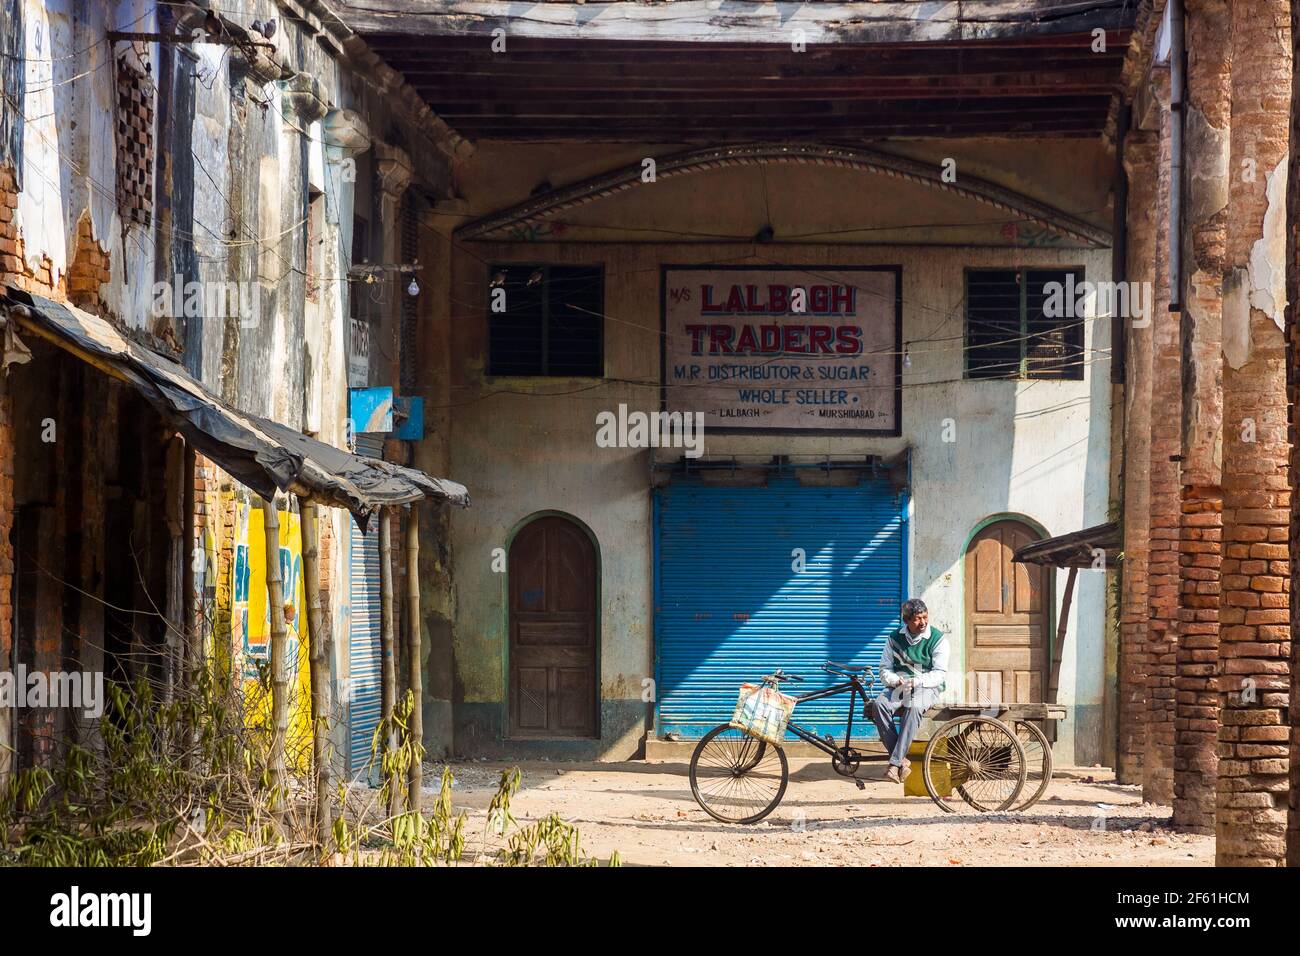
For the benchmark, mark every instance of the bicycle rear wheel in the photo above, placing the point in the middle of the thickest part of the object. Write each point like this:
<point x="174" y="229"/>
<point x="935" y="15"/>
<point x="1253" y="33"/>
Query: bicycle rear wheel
<point x="736" y="778"/>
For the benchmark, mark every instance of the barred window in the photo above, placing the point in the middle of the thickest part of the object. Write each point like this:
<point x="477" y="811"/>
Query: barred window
<point x="546" y="320"/>
<point x="1022" y="324"/>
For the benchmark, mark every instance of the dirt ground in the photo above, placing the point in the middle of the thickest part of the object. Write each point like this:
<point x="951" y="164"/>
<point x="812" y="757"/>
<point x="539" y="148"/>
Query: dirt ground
<point x="646" y="812"/>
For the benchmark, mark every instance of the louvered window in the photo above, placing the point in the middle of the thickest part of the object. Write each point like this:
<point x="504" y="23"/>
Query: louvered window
<point x="546" y="320"/>
<point x="1024" y="323"/>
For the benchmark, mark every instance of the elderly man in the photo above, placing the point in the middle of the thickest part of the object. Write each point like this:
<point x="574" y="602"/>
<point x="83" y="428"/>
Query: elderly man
<point x="914" y="666"/>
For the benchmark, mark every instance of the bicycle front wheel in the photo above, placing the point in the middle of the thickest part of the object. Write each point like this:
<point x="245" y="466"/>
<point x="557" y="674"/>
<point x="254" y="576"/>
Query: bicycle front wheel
<point x="736" y="778"/>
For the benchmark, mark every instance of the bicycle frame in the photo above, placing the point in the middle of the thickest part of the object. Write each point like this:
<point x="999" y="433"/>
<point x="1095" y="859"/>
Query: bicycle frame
<point x="854" y="687"/>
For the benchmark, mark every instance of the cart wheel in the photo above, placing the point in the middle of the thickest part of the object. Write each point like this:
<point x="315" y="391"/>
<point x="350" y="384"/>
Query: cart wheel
<point x="736" y="778"/>
<point x="1038" y="762"/>
<point x="980" y="758"/>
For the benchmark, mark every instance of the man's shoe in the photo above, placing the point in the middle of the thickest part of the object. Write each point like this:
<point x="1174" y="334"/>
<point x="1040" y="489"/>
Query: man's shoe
<point x="892" y="774"/>
<point x="907" y="768"/>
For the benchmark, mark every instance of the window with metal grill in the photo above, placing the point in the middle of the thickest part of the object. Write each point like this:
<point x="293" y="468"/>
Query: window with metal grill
<point x="546" y="320"/>
<point x="1019" y="326"/>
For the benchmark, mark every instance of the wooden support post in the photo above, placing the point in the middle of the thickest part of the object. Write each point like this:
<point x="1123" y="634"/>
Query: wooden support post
<point x="387" y="630"/>
<point x="193" y="649"/>
<point x="416" y="772"/>
<point x="320" y="645"/>
<point x="1054" y="682"/>
<point x="279" y="651"/>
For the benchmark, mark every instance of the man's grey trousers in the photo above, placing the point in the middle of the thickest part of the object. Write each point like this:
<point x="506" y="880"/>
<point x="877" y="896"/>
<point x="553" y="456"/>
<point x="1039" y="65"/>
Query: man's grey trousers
<point x="914" y="706"/>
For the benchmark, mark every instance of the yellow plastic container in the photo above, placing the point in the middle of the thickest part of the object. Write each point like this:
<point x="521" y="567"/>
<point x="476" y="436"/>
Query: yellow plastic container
<point x="914" y="782"/>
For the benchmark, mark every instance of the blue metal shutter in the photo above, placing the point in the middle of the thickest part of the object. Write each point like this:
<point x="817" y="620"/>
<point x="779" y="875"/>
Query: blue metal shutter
<point x="364" y="649"/>
<point x="730" y="607"/>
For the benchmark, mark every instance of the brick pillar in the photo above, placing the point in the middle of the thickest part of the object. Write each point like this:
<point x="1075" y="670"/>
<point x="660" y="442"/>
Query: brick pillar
<point x="1163" y="503"/>
<point x="6" y="561"/>
<point x="1141" y="154"/>
<point x="1206" y="130"/>
<point x="1293" y="389"/>
<point x="9" y="266"/>
<point x="1206" y="126"/>
<point x="1254" y="636"/>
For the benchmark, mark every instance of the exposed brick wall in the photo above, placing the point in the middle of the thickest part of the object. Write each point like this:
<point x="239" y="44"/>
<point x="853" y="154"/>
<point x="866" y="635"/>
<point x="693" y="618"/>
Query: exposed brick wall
<point x="1293" y="389"/>
<point x="1141" y="153"/>
<point x="1200" y="553"/>
<point x="9" y="266"/>
<point x="1162" y="555"/>
<point x="1254" y="639"/>
<point x="1206" y="124"/>
<point x="90" y="267"/>
<point x="13" y="263"/>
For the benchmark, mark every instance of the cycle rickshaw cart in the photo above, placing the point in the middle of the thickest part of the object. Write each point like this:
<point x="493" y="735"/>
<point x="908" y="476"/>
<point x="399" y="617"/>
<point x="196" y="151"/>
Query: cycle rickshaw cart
<point x="989" y="756"/>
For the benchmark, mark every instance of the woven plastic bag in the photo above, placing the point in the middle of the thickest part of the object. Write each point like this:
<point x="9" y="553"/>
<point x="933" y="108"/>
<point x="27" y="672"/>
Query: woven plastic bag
<point x="763" y="712"/>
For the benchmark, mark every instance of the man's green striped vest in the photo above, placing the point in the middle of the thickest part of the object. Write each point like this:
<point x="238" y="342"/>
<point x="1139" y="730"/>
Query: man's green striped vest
<point x="914" y="659"/>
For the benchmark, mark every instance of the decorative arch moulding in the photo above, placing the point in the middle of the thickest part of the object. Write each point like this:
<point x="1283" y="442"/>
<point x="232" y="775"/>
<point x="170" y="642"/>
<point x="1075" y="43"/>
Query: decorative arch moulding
<point x="537" y="211"/>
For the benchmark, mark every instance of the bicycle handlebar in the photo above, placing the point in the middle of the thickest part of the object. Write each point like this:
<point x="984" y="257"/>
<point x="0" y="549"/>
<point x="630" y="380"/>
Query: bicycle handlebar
<point x="780" y="676"/>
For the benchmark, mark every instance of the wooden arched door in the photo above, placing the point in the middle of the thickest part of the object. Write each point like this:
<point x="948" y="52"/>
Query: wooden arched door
<point x="554" y="688"/>
<point x="1007" y="607"/>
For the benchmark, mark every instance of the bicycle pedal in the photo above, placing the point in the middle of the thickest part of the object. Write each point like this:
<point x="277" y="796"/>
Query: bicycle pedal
<point x="861" y="785"/>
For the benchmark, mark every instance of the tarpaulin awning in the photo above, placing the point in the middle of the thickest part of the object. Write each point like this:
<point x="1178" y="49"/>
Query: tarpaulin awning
<point x="264" y="455"/>
<point x="1076" y="549"/>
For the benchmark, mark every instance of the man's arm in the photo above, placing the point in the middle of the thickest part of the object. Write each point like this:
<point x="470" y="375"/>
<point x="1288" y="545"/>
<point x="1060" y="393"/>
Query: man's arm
<point x="887" y="667"/>
<point x="938" y="673"/>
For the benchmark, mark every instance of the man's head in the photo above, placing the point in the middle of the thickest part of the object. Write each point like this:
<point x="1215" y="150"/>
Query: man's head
<point x="916" y="615"/>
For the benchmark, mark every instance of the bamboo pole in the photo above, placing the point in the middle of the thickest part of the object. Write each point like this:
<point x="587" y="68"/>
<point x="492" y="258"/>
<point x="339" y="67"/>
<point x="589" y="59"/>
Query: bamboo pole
<point x="387" y="631"/>
<point x="320" y="645"/>
<point x="279" y="651"/>
<point x="416" y="771"/>
<point x="1054" y="681"/>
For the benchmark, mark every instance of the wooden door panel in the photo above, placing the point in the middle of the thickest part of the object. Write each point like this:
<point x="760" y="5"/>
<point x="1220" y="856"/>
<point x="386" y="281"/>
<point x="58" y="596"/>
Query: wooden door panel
<point x="1003" y="635"/>
<point x="553" y="661"/>
<point x="530" y="697"/>
<point x="1006" y="623"/>
<point x="988" y="577"/>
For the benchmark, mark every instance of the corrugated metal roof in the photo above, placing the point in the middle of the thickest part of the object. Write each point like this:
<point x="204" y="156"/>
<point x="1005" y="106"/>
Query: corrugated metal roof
<point x="265" y="455"/>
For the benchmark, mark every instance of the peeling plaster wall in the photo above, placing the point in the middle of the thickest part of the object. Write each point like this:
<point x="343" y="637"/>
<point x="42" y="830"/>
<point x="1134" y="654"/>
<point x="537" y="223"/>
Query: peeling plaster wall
<point x="230" y="201"/>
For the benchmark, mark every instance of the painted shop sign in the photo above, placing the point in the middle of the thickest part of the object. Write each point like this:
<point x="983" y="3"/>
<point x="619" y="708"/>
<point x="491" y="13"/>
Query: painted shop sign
<point x="790" y="348"/>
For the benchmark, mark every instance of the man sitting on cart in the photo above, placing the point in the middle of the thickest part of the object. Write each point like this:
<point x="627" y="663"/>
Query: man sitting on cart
<point x="914" y="666"/>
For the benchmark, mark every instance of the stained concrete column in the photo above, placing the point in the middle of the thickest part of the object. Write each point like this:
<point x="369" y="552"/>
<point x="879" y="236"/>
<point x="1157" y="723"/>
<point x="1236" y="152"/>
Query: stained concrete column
<point x="1141" y="155"/>
<point x="1254" y="634"/>
<point x="1206" y="122"/>
<point x="1163" y="501"/>
<point x="394" y="172"/>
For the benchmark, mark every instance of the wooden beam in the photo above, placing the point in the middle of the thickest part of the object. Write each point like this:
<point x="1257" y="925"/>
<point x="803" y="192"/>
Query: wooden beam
<point x="320" y="646"/>
<point x="387" y="632"/>
<point x="415" y="777"/>
<point x="707" y="21"/>
<point x="1058" y="647"/>
<point x="279" y="648"/>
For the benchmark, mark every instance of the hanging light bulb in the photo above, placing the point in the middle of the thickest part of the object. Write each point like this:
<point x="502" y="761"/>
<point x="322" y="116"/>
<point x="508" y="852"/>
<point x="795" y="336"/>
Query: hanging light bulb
<point x="413" y="288"/>
<point x="907" y="357"/>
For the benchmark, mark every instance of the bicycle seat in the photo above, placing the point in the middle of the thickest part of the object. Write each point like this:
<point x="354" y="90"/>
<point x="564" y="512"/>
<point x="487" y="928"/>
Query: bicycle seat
<point x="846" y="667"/>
